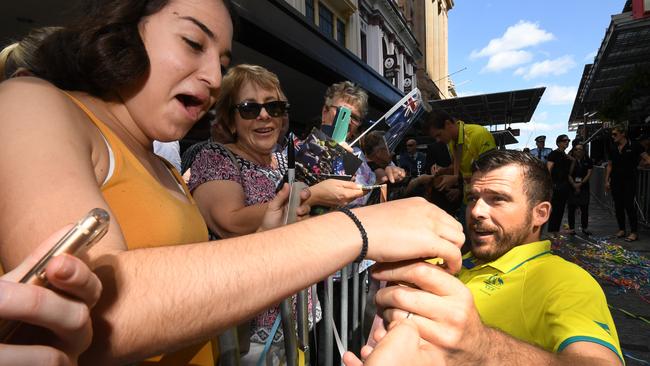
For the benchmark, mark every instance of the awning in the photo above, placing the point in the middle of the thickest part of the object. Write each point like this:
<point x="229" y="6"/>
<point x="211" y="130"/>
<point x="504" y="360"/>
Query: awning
<point x="624" y="50"/>
<point x="516" y="106"/>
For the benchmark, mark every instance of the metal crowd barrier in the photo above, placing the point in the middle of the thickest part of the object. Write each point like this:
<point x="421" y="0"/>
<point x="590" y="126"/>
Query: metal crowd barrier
<point x="598" y="192"/>
<point x="350" y="334"/>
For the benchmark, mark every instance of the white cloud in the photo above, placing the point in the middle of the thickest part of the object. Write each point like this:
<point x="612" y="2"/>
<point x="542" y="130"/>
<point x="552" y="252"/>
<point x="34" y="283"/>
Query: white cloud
<point x="590" y="57"/>
<point x="507" y="59"/>
<point x="521" y="35"/>
<point x="559" y="66"/>
<point x="559" y="95"/>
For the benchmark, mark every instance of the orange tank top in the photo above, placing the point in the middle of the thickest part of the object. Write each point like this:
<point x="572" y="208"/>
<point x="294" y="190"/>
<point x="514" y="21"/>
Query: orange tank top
<point x="151" y="217"/>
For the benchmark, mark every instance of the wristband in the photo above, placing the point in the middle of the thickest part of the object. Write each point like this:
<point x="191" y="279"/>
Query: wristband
<point x="364" y="235"/>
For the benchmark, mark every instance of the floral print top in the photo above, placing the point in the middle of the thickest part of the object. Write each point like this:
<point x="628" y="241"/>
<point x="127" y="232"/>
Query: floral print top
<point x="259" y="184"/>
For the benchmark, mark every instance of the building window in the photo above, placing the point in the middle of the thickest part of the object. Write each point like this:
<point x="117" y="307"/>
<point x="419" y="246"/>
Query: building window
<point x="326" y="20"/>
<point x="340" y="32"/>
<point x="364" y="47"/>
<point x="309" y="10"/>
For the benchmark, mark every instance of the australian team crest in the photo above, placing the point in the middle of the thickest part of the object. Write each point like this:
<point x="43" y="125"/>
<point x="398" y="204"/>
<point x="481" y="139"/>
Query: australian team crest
<point x="493" y="282"/>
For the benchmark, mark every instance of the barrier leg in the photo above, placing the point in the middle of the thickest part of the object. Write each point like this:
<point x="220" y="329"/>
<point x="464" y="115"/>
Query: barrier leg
<point x="229" y="348"/>
<point x="289" y="330"/>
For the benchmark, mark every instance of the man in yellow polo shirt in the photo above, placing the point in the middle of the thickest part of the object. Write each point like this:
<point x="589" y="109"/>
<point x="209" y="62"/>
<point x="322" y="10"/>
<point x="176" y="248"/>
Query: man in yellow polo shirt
<point x="513" y="302"/>
<point x="466" y="142"/>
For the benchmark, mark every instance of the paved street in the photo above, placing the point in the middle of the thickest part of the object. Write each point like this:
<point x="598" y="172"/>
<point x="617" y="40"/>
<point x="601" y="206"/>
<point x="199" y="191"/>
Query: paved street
<point x="634" y="334"/>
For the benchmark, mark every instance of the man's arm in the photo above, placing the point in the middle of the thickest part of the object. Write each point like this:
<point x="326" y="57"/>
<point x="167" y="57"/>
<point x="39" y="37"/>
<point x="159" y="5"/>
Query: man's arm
<point x="446" y="317"/>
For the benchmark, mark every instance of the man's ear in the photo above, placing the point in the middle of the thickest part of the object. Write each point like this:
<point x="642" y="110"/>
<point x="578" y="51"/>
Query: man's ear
<point x="541" y="213"/>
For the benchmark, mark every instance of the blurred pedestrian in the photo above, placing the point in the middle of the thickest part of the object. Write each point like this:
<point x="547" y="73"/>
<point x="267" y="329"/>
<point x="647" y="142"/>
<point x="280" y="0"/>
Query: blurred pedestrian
<point x="412" y="160"/>
<point x="620" y="178"/>
<point x="579" y="175"/>
<point x="559" y="164"/>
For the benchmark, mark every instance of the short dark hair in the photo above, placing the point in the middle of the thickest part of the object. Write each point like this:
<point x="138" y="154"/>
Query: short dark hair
<point x="538" y="184"/>
<point x="561" y="138"/>
<point x="436" y="119"/>
<point x="102" y="51"/>
<point x="620" y="128"/>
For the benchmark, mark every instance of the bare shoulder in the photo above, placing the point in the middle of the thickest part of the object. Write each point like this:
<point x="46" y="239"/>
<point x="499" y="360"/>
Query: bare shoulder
<point x="28" y="102"/>
<point x="48" y="172"/>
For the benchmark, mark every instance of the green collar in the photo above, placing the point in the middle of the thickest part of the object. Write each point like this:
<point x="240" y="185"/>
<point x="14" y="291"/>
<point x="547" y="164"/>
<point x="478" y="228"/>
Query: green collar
<point x="514" y="258"/>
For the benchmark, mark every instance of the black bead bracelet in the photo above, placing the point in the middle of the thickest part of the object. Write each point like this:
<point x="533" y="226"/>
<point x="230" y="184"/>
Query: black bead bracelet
<point x="364" y="235"/>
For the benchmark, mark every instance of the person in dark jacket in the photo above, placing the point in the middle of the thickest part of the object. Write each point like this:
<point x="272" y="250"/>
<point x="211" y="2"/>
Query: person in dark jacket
<point x="579" y="179"/>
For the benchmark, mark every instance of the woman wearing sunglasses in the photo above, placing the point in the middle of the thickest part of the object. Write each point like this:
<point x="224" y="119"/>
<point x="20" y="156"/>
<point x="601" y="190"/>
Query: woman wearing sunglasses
<point x="234" y="179"/>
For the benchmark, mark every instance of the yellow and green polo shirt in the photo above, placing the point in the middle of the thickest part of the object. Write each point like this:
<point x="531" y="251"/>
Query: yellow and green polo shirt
<point x="540" y="298"/>
<point x="475" y="140"/>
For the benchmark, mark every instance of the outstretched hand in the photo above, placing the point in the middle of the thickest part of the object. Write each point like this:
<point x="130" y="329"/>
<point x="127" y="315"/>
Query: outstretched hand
<point x="274" y="216"/>
<point x="411" y="228"/>
<point x="401" y="345"/>
<point x="441" y="306"/>
<point x="334" y="193"/>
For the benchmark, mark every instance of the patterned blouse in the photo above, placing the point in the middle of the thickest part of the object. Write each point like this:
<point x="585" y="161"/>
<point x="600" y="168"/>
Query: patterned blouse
<point x="259" y="184"/>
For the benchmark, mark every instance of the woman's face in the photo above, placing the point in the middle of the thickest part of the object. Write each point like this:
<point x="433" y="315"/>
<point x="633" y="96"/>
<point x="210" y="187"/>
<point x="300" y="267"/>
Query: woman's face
<point x="188" y="43"/>
<point x="259" y="134"/>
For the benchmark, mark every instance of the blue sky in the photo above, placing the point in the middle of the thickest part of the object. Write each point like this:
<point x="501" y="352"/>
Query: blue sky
<point x="518" y="44"/>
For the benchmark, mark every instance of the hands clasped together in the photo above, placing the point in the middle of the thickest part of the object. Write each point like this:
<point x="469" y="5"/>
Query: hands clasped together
<point x="430" y="314"/>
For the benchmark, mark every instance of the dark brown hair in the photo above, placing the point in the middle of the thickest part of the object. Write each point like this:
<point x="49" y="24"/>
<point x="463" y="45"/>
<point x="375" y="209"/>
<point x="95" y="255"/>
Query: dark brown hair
<point x="103" y="51"/>
<point x="435" y="118"/>
<point x="538" y="185"/>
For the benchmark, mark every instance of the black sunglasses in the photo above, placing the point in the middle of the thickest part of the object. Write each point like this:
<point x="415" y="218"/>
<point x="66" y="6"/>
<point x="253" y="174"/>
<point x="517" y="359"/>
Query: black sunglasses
<point x="250" y="110"/>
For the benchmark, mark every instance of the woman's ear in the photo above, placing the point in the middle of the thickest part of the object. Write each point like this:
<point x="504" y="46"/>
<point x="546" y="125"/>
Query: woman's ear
<point x="541" y="213"/>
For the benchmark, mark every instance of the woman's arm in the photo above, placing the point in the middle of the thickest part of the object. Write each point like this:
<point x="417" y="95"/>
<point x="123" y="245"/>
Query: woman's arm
<point x="222" y="205"/>
<point x="334" y="193"/>
<point x="160" y="299"/>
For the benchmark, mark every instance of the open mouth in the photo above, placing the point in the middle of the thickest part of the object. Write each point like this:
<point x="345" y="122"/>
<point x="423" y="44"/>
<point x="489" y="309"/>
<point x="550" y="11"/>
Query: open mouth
<point x="264" y="130"/>
<point x="193" y="105"/>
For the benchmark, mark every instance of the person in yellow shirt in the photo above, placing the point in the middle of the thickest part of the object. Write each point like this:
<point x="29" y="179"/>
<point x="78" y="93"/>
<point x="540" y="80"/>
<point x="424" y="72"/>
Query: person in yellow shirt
<point x="466" y="143"/>
<point x="512" y="303"/>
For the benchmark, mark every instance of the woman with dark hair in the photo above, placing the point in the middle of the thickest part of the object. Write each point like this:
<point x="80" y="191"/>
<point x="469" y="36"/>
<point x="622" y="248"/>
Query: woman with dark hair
<point x="127" y="73"/>
<point x="579" y="175"/>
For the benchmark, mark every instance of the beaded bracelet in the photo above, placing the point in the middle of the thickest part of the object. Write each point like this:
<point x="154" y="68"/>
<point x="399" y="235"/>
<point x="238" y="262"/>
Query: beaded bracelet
<point x="364" y="235"/>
